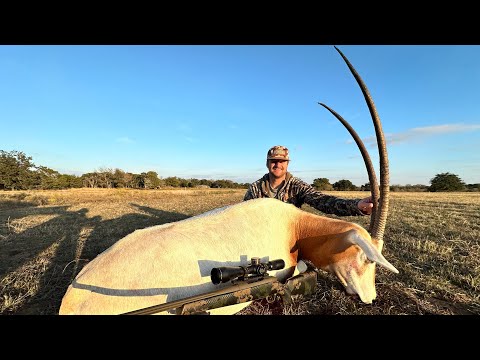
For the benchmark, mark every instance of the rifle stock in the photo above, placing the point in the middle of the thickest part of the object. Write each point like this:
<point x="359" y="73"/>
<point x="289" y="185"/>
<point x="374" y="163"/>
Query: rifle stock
<point x="243" y="291"/>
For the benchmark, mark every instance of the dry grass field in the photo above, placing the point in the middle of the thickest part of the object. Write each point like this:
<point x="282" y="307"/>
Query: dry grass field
<point x="46" y="237"/>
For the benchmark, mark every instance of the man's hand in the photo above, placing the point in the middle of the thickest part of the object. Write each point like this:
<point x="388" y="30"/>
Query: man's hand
<point x="366" y="205"/>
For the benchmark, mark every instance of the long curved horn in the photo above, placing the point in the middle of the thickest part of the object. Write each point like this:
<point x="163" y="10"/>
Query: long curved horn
<point x="368" y="164"/>
<point x="380" y="219"/>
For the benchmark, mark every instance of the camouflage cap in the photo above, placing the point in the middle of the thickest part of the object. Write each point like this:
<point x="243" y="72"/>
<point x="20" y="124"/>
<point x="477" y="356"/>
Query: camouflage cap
<point x="278" y="152"/>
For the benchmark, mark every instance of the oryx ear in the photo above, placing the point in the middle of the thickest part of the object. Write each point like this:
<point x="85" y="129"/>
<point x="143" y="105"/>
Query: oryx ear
<point x="370" y="251"/>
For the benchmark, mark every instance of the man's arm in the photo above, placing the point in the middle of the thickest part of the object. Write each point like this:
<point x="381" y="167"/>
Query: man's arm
<point x="248" y="194"/>
<point x="328" y="204"/>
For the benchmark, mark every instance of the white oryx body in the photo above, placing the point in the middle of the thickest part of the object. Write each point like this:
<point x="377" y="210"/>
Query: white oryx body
<point x="173" y="261"/>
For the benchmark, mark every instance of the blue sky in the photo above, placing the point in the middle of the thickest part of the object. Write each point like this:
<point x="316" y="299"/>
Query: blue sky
<point x="213" y="111"/>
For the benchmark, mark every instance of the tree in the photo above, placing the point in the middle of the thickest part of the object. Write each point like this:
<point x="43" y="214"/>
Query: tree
<point x="90" y="180"/>
<point x="446" y="182"/>
<point x="172" y="181"/>
<point x="118" y="178"/>
<point x="365" y="187"/>
<point x="322" y="184"/>
<point x="106" y="177"/>
<point x="344" y="185"/>
<point x="206" y="182"/>
<point x="473" y="187"/>
<point x="129" y="180"/>
<point x="66" y="181"/>
<point x="47" y="178"/>
<point x="151" y="180"/>
<point x="193" y="183"/>
<point x="16" y="170"/>
<point x="222" y="184"/>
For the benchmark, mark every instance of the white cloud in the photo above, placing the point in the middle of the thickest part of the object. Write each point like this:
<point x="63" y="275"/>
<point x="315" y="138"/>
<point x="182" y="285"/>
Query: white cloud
<point x="422" y="132"/>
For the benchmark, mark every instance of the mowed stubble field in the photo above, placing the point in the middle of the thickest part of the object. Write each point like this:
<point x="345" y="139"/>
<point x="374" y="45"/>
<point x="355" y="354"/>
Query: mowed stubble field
<point x="46" y="237"/>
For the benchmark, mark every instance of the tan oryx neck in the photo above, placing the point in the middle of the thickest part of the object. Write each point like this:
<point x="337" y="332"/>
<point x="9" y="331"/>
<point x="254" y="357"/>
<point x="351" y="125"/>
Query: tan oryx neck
<point x="309" y="225"/>
<point x="320" y="238"/>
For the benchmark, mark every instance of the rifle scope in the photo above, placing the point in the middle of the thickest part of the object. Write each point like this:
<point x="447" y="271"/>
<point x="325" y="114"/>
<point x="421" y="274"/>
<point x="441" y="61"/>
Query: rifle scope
<point x="226" y="273"/>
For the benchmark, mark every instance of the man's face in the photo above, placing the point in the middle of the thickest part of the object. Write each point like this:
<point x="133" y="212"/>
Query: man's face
<point x="278" y="168"/>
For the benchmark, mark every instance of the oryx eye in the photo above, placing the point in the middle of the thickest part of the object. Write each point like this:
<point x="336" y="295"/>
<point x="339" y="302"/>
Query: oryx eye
<point x="364" y="258"/>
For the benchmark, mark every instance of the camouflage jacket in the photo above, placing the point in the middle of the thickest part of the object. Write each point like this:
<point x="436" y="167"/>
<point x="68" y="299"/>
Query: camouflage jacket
<point x="298" y="192"/>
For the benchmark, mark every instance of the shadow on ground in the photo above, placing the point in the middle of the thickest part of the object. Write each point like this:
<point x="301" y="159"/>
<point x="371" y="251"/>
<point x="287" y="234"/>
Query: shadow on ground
<point x="72" y="239"/>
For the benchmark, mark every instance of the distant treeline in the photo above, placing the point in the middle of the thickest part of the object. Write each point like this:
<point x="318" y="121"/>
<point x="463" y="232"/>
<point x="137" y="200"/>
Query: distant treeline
<point x="18" y="172"/>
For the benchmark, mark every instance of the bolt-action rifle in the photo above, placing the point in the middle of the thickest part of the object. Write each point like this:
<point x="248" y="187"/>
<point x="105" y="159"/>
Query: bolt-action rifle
<point x="249" y="283"/>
